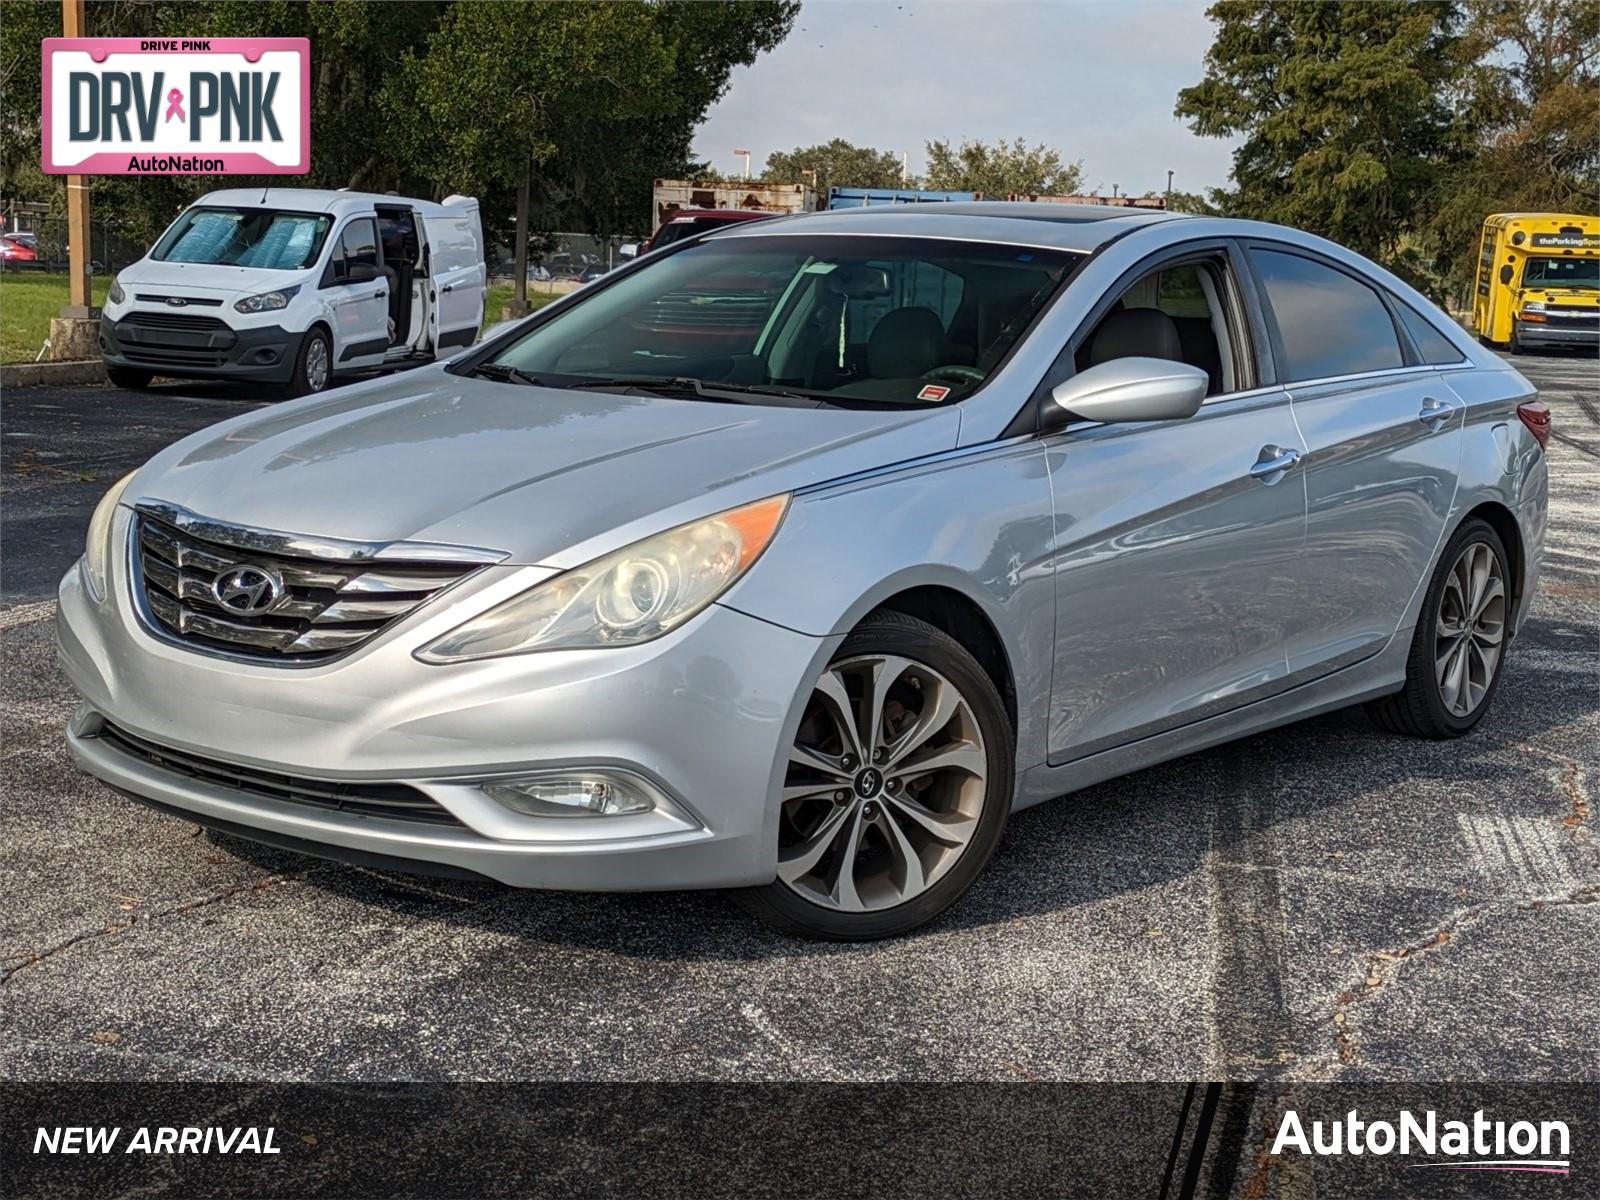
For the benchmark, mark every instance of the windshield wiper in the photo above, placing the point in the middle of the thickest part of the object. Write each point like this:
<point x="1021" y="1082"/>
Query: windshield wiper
<point x="680" y="385"/>
<point x="506" y="373"/>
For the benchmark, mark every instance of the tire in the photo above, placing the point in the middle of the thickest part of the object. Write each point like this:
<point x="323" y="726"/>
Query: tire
<point x="310" y="375"/>
<point x="1515" y="346"/>
<point x="1426" y="707"/>
<point x="946" y="820"/>
<point x="129" y="377"/>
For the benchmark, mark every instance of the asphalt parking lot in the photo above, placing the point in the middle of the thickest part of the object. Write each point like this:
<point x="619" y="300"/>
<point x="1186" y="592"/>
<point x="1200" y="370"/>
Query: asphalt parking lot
<point x="1322" y="902"/>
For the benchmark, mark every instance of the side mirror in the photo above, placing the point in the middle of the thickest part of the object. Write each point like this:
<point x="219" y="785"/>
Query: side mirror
<point x="1505" y="273"/>
<point x="1133" y="389"/>
<point x="360" y="272"/>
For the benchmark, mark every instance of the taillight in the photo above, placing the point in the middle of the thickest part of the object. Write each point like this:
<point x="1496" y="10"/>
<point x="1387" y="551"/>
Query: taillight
<point x="1535" y="415"/>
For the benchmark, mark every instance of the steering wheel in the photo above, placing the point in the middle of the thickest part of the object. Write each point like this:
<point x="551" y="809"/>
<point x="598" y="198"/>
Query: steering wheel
<point x="956" y="373"/>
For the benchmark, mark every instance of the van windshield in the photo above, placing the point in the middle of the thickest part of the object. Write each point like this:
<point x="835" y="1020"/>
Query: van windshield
<point x="268" y="238"/>
<point x="1562" y="272"/>
<point x="846" y="319"/>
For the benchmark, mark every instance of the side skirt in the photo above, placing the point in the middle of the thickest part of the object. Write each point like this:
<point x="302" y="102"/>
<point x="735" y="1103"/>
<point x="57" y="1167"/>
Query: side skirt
<point x="1383" y="673"/>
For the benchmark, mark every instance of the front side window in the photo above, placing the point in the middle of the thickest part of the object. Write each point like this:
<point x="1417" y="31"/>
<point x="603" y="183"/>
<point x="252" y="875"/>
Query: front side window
<point x="879" y="320"/>
<point x="1329" y="322"/>
<point x="245" y="237"/>
<point x="358" y="243"/>
<point x="1176" y="312"/>
<point x="1581" y="273"/>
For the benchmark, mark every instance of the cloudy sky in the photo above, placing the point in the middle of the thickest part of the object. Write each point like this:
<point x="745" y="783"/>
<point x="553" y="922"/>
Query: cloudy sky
<point x="1096" y="79"/>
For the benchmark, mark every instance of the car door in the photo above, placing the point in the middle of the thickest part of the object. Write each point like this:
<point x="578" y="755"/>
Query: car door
<point x="358" y="295"/>
<point x="1383" y="446"/>
<point x="1177" y="543"/>
<point x="456" y="277"/>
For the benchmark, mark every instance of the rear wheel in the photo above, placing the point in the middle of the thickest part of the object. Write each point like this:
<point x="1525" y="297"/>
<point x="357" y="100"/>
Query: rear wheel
<point x="897" y="787"/>
<point x="129" y="377"/>
<point x="1459" y="645"/>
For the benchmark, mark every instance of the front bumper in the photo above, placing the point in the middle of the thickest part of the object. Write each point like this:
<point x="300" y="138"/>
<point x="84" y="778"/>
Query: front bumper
<point x="703" y="713"/>
<point x="1553" y="334"/>
<point x="263" y="352"/>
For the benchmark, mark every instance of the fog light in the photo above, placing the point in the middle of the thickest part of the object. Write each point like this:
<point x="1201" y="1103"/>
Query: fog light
<point x="563" y="795"/>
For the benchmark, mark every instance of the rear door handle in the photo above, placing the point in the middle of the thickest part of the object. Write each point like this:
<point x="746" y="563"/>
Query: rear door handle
<point x="1273" y="462"/>
<point x="1435" y="413"/>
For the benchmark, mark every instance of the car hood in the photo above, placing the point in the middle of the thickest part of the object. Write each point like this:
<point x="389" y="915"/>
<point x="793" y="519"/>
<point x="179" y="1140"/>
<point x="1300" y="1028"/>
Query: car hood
<point x="1559" y="295"/>
<point x="546" y="476"/>
<point x="203" y="279"/>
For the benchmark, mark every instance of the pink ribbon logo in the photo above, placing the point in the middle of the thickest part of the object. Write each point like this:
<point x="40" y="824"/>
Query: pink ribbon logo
<point x="175" y="105"/>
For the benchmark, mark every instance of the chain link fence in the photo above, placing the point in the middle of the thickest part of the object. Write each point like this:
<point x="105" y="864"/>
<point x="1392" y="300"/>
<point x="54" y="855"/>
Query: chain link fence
<point x="555" y="258"/>
<point x="45" y="235"/>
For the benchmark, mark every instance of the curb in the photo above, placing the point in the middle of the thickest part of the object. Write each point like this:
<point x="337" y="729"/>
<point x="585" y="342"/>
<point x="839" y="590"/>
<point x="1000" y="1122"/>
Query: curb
<point x="87" y="370"/>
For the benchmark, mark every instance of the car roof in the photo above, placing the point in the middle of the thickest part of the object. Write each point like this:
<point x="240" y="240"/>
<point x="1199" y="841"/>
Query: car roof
<point x="722" y="214"/>
<point x="1081" y="227"/>
<point x="316" y="200"/>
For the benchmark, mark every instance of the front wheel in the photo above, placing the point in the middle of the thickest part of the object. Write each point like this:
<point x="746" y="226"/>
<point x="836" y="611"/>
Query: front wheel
<point x="313" y="366"/>
<point x="1459" y="645"/>
<point x="897" y="786"/>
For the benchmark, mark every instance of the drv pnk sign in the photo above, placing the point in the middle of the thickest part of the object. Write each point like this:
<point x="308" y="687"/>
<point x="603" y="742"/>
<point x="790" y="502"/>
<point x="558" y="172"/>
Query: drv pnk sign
<point x="177" y="106"/>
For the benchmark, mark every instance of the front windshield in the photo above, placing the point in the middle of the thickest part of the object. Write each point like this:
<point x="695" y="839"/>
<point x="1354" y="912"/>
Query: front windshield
<point x="245" y="237"/>
<point x="1562" y="272"/>
<point x="880" y="320"/>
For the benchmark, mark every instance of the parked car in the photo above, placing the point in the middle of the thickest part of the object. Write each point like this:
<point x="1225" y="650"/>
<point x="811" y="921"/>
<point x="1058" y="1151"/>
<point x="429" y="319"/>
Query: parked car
<point x="16" y="248"/>
<point x="994" y="504"/>
<point x="295" y="286"/>
<point x="686" y="222"/>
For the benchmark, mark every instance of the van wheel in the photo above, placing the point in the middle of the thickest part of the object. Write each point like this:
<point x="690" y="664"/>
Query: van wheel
<point x="896" y="788"/>
<point x="129" y="377"/>
<point x="313" y="367"/>
<point x="1459" y="648"/>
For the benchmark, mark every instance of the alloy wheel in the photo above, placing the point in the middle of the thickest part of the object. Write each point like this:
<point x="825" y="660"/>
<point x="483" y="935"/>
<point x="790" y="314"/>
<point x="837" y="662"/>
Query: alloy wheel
<point x="885" y="785"/>
<point x="1470" y="630"/>
<point x="317" y="364"/>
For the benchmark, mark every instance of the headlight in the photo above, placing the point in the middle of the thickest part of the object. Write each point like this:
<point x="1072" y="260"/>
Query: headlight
<point x="97" y="546"/>
<point x="267" y="301"/>
<point x="632" y="596"/>
<point x="114" y="293"/>
<point x="1533" y="306"/>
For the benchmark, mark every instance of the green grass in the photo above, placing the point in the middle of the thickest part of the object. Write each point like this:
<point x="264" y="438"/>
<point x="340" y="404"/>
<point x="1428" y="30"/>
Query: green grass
<point x="27" y="302"/>
<point x="29" y="299"/>
<point x="499" y="295"/>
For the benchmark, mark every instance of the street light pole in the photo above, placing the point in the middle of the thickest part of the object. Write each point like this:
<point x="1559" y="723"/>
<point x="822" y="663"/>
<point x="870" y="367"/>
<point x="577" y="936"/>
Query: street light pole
<point x="1168" y="203"/>
<point x="746" y="155"/>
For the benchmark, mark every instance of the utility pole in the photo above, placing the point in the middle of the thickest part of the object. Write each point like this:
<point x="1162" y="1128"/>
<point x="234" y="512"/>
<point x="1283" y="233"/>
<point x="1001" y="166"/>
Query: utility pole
<point x="746" y="155"/>
<point x="1168" y="202"/>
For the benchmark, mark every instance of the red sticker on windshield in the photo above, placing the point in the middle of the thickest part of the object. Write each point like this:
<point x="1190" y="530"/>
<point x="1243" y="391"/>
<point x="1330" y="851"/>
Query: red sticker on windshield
<point x="933" y="392"/>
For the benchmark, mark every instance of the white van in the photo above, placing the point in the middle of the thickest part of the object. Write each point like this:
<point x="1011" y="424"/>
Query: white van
<point x="292" y="286"/>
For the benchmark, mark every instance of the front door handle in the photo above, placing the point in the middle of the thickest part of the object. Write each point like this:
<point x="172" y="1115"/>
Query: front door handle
<point x="380" y="295"/>
<point x="1273" y="462"/>
<point x="1435" y="413"/>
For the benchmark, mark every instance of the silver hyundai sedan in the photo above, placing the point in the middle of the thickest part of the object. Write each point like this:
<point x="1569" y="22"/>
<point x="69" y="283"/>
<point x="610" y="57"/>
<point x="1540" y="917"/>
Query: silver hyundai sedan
<point x="793" y="557"/>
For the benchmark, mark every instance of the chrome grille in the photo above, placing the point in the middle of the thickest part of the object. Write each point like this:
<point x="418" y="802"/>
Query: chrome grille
<point x="202" y="301"/>
<point x="324" y="606"/>
<point x="397" y="801"/>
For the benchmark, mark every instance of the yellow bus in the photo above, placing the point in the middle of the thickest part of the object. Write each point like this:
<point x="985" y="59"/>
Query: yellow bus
<point x="1538" y="281"/>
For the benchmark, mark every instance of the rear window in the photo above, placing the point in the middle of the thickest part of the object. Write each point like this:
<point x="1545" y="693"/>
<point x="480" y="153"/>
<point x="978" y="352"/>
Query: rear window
<point x="1329" y="322"/>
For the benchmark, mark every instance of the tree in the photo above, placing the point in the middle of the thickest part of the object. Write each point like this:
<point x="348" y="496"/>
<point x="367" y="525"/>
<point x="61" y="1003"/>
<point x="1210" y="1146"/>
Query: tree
<point x="1342" y="109"/>
<point x="1534" y="95"/>
<point x="834" y="164"/>
<point x="1001" y="169"/>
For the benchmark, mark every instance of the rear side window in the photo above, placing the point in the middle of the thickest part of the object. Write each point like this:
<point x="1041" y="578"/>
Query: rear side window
<point x="1435" y="348"/>
<point x="1329" y="323"/>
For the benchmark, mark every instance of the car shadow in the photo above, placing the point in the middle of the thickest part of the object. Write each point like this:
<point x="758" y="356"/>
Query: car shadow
<point x="1126" y="835"/>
